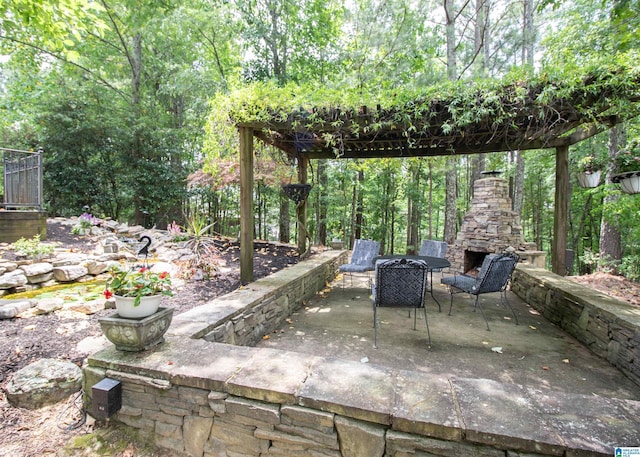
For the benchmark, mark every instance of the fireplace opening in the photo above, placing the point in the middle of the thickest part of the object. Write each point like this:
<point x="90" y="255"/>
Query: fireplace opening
<point x="473" y="261"/>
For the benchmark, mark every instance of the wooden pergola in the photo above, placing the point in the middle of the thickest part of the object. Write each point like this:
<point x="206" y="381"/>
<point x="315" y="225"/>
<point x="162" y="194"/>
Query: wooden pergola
<point x="335" y="133"/>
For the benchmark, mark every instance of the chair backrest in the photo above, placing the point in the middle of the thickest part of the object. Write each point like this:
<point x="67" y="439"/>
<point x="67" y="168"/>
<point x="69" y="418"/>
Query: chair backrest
<point x="433" y="248"/>
<point x="494" y="273"/>
<point x="400" y="282"/>
<point x="364" y="251"/>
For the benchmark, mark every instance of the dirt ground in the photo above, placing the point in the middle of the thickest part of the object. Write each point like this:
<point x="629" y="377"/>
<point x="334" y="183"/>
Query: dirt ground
<point x="52" y="431"/>
<point x="43" y="432"/>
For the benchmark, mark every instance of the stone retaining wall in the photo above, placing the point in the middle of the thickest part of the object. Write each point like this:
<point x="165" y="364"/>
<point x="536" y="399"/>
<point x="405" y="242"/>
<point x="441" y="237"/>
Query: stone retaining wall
<point x="206" y="399"/>
<point x="244" y="316"/>
<point x="607" y="326"/>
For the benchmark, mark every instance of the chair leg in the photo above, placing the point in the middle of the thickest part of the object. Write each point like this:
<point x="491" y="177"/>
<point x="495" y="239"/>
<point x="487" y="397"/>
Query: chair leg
<point x="476" y="304"/>
<point x="503" y="297"/>
<point x="431" y="292"/>
<point x="375" y="327"/>
<point x="424" y="308"/>
<point x="415" y="317"/>
<point x="451" y="302"/>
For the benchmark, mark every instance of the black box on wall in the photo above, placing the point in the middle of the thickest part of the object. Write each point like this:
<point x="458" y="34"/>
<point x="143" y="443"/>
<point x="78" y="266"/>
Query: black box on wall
<point x="106" y="398"/>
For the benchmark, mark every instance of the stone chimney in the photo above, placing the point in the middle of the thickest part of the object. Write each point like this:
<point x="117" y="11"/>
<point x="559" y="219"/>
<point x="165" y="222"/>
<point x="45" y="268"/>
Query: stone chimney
<point x="490" y="226"/>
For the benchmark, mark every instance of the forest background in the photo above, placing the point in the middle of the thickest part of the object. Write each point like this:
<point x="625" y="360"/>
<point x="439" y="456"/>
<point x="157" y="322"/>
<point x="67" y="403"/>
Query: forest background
<point x="126" y="99"/>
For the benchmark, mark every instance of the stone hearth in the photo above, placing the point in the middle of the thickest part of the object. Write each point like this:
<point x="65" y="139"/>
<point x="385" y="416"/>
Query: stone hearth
<point x="490" y="226"/>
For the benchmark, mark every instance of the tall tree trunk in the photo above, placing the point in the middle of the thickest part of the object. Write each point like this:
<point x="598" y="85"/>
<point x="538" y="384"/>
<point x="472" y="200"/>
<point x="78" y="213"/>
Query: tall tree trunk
<point x="478" y="38"/>
<point x="518" y="185"/>
<point x="430" y="199"/>
<point x="413" y="209"/>
<point x="284" y="221"/>
<point x="450" y="15"/>
<point x="359" y="206"/>
<point x="451" y="174"/>
<point x="528" y="33"/>
<point x="450" y="201"/>
<point x="135" y="63"/>
<point x="610" y="238"/>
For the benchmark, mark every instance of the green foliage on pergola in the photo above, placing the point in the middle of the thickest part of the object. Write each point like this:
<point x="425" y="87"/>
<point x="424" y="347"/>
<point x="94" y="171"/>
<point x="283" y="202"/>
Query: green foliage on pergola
<point x="516" y="113"/>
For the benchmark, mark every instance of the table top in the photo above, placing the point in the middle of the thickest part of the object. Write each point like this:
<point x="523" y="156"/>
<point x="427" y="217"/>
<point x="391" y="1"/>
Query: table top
<point x="433" y="263"/>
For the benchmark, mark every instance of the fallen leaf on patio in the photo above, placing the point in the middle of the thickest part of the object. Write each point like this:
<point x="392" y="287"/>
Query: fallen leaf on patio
<point x="30" y="327"/>
<point x="532" y="327"/>
<point x="485" y="342"/>
<point x="507" y="318"/>
<point x="266" y="337"/>
<point x="565" y="360"/>
<point x="497" y="349"/>
<point x="545" y="368"/>
<point x="289" y="321"/>
<point x="169" y="362"/>
<point x="365" y="360"/>
<point x="130" y="451"/>
<point x="533" y="311"/>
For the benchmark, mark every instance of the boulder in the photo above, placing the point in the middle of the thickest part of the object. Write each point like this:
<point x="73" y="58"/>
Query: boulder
<point x="69" y="258"/>
<point x="44" y="382"/>
<point x="86" y="307"/>
<point x="48" y="305"/>
<point x="95" y="267"/>
<point x="68" y="273"/>
<point x="7" y="266"/>
<point x="36" y="269"/>
<point x="39" y="279"/>
<point x="11" y="308"/>
<point x="13" y="279"/>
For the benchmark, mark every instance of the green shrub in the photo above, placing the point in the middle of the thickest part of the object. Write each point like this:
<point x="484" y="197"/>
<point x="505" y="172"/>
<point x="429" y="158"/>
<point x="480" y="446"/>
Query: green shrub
<point x="33" y="248"/>
<point x="630" y="267"/>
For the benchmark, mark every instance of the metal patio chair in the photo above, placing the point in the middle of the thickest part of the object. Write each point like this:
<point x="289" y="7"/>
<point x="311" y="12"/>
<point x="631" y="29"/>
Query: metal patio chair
<point x="493" y="276"/>
<point x="364" y="252"/>
<point x="399" y="283"/>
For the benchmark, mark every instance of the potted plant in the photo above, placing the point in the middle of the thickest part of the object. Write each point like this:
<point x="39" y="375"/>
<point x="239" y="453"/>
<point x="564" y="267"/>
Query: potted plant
<point x="589" y="172"/>
<point x="137" y="292"/>
<point x="628" y="168"/>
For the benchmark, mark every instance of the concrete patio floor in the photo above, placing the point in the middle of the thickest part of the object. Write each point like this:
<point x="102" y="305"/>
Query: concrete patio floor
<point x="535" y="353"/>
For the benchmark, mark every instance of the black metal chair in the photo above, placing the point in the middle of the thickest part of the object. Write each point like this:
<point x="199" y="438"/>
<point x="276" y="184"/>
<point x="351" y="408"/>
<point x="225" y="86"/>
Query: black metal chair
<point x="493" y="276"/>
<point x="364" y="252"/>
<point x="399" y="283"/>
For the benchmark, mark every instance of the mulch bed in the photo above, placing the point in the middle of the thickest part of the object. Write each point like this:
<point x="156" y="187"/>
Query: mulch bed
<point x="54" y="335"/>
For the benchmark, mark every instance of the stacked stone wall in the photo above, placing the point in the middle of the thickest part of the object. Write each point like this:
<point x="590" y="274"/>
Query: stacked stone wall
<point x="244" y="316"/>
<point x="207" y="423"/>
<point x="608" y="327"/>
<point x="212" y="399"/>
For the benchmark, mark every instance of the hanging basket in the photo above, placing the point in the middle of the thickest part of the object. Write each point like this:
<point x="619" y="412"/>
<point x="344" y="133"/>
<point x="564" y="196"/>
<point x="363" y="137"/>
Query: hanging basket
<point x="629" y="182"/>
<point x="590" y="179"/>
<point x="297" y="192"/>
<point x="303" y="141"/>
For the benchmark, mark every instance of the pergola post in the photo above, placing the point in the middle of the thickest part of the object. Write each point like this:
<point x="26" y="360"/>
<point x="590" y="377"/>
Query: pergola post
<point x="561" y="209"/>
<point x="246" y="204"/>
<point x="301" y="208"/>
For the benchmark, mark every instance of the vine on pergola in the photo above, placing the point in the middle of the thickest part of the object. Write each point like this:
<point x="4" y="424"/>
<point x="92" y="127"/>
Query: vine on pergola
<point x="452" y="118"/>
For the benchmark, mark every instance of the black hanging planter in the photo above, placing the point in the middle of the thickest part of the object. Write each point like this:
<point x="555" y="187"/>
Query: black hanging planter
<point x="303" y="141"/>
<point x="297" y="192"/>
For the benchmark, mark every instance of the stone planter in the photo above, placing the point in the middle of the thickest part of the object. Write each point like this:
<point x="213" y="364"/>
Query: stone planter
<point x="589" y="179"/>
<point x="629" y="181"/>
<point x="137" y="334"/>
<point x="126" y="309"/>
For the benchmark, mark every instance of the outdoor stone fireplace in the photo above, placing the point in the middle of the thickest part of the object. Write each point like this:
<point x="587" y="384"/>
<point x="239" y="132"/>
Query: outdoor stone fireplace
<point x="491" y="226"/>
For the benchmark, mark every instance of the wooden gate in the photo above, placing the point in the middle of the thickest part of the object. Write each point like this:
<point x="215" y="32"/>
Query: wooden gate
<point x="22" y="179"/>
